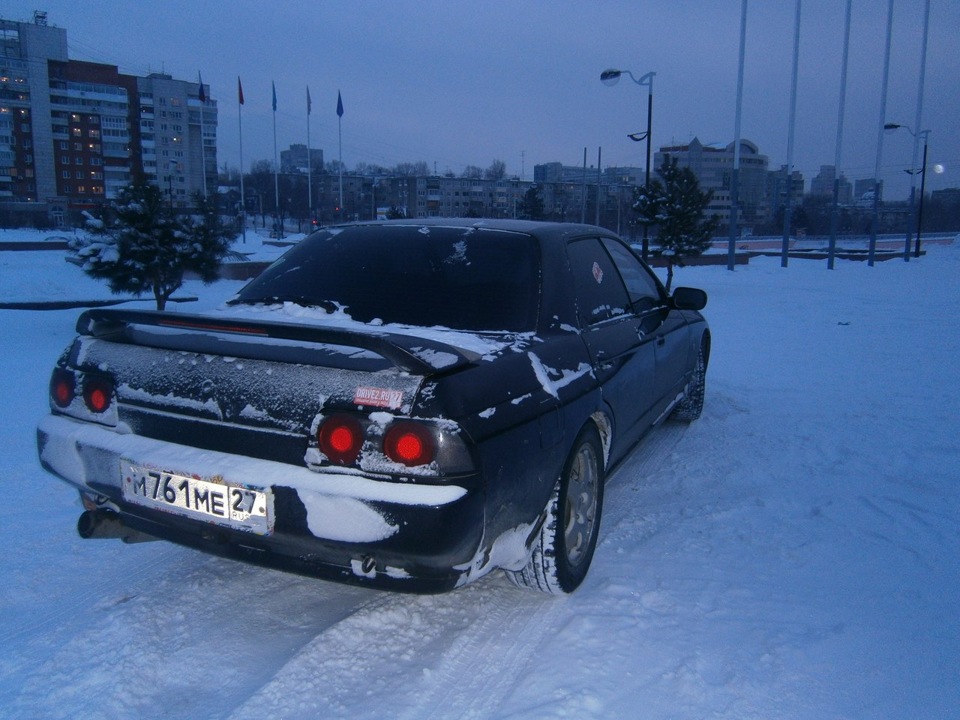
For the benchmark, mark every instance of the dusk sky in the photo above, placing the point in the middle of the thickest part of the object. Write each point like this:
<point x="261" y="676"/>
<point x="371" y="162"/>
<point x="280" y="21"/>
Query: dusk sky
<point x="464" y="83"/>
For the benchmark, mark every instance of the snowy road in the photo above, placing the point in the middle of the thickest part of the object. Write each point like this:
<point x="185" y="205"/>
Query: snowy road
<point x="793" y="554"/>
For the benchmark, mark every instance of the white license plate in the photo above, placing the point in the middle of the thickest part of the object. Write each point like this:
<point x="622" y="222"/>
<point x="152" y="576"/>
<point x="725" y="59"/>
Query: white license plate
<point x="207" y="499"/>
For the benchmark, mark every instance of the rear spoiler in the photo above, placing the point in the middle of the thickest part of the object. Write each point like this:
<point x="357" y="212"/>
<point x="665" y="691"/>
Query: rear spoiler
<point x="413" y="354"/>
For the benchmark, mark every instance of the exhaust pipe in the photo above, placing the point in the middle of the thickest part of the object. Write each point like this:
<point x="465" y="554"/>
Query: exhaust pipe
<point x="106" y="524"/>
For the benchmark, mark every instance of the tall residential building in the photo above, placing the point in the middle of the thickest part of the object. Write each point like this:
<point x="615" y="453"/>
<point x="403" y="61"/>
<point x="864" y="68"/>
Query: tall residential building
<point x="714" y="170"/>
<point x="73" y="133"/>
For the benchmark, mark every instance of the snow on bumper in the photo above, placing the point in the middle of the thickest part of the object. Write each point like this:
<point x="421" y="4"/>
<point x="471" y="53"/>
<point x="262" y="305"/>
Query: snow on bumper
<point x="343" y="508"/>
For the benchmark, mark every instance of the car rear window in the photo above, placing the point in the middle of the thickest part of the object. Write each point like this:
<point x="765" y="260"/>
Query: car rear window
<point x="462" y="278"/>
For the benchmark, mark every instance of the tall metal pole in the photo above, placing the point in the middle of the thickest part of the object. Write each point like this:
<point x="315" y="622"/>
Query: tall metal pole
<point x="309" y="163"/>
<point x="918" y="123"/>
<point x="276" y="166"/>
<point x="597" y="213"/>
<point x="611" y="77"/>
<point x="923" y="184"/>
<point x="646" y="174"/>
<point x="836" y="157"/>
<point x="583" y="190"/>
<point x="735" y="180"/>
<point x="340" y="146"/>
<point x="203" y="149"/>
<point x="788" y="210"/>
<point x="883" y="113"/>
<point x="243" y="197"/>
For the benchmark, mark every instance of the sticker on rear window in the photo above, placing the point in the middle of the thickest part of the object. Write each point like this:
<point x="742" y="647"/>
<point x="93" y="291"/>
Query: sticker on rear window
<point x="378" y="397"/>
<point x="597" y="273"/>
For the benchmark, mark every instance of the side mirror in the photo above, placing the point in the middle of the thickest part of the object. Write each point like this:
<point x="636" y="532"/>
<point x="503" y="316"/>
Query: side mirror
<point x="685" y="298"/>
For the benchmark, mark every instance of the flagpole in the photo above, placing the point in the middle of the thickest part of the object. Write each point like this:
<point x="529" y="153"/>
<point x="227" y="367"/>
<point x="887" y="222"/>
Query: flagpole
<point x="203" y="150"/>
<point x="276" y="166"/>
<point x="243" y="197"/>
<point x="340" y="139"/>
<point x="309" y="164"/>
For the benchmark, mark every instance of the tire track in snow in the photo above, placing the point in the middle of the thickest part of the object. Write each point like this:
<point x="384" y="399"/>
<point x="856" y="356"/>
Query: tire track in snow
<point x="482" y="666"/>
<point x="423" y="655"/>
<point x="90" y="590"/>
<point x="417" y="655"/>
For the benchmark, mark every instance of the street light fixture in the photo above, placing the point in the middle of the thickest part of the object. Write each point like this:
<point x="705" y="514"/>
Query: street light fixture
<point x="611" y="78"/>
<point x="925" y="134"/>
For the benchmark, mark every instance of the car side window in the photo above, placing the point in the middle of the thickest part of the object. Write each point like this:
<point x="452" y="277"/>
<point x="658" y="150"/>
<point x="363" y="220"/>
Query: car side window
<point x="601" y="294"/>
<point x="642" y="287"/>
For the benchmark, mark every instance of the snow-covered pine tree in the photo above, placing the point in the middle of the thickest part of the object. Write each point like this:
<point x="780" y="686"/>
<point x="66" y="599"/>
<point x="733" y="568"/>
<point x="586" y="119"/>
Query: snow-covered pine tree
<point x="677" y="206"/>
<point x="144" y="246"/>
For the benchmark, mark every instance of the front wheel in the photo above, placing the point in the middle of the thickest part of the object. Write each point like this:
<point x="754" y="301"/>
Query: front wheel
<point x="562" y="552"/>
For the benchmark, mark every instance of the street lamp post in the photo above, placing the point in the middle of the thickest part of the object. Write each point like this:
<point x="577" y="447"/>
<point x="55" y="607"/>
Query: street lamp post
<point x="916" y="209"/>
<point x="612" y="77"/>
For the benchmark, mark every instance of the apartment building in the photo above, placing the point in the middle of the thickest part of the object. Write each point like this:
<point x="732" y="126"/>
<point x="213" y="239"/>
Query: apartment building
<point x="714" y="170"/>
<point x="74" y="133"/>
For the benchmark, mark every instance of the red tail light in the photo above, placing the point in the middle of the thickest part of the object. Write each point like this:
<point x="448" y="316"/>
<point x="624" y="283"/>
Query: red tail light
<point x="63" y="387"/>
<point x="97" y="394"/>
<point x="340" y="439"/>
<point x="409" y="444"/>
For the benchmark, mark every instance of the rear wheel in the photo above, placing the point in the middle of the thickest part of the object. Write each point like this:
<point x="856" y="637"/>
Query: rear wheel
<point x="564" y="548"/>
<point x="690" y="408"/>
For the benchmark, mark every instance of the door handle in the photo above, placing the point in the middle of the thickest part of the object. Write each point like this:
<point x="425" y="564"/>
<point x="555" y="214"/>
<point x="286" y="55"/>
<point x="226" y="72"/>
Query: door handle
<point x="662" y="340"/>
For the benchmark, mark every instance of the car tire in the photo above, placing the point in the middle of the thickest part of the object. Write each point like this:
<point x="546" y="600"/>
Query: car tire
<point x="563" y="549"/>
<point x="691" y="407"/>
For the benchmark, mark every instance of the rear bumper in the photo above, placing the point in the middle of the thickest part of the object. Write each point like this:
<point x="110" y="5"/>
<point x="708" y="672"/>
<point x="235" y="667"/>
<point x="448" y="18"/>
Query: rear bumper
<point x="346" y="527"/>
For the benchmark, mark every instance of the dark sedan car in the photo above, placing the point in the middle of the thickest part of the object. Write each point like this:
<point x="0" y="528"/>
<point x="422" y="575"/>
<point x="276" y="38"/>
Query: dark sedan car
<point x="406" y="404"/>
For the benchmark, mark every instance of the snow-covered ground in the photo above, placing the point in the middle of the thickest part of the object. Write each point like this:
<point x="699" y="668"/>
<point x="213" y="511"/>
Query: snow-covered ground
<point x="793" y="554"/>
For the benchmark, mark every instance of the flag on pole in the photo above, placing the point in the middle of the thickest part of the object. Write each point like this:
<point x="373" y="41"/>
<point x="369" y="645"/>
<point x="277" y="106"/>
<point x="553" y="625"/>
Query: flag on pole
<point x="273" y="85"/>
<point x="203" y="95"/>
<point x="309" y="104"/>
<point x="339" y="105"/>
<point x="239" y="90"/>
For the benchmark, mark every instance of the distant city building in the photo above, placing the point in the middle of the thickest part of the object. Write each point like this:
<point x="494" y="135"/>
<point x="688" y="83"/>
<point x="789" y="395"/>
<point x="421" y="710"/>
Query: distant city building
<point x="822" y="185"/>
<point x="298" y="159"/>
<point x="777" y="188"/>
<point x="73" y="133"/>
<point x="714" y="170"/>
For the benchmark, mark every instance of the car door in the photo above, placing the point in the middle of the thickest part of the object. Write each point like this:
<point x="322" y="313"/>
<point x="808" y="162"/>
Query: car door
<point x="619" y="341"/>
<point x="657" y="319"/>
